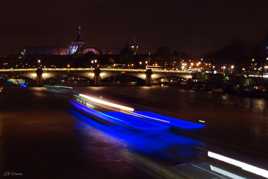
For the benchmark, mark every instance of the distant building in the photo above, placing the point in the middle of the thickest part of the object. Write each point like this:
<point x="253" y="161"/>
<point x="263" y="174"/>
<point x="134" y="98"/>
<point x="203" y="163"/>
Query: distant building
<point x="46" y="51"/>
<point x="134" y="47"/>
<point x="76" y="47"/>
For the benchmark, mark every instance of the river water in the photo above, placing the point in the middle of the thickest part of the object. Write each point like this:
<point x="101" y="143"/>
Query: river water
<point x="232" y="121"/>
<point x="42" y="136"/>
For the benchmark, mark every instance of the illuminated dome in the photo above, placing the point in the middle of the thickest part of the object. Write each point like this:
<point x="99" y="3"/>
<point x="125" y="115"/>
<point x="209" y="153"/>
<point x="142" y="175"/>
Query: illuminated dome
<point x="76" y="47"/>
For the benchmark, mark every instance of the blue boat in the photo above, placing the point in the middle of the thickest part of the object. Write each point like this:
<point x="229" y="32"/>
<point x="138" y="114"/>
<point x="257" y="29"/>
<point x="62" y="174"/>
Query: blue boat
<point x="115" y="114"/>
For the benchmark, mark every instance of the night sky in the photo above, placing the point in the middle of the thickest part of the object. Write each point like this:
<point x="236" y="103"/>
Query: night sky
<point x="194" y="26"/>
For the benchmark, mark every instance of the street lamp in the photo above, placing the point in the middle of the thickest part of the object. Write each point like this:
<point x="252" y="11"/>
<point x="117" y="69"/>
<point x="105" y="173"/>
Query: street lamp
<point x="39" y="63"/>
<point x="94" y="62"/>
<point x="223" y="68"/>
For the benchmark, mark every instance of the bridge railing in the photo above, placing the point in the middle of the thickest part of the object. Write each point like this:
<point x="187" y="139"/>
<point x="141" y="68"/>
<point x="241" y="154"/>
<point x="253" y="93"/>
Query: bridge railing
<point x="92" y="69"/>
<point x="68" y="69"/>
<point x="18" y="70"/>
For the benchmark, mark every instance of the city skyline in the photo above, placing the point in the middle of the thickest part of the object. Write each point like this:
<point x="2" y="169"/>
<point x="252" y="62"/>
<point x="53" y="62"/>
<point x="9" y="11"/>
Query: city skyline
<point x="194" y="27"/>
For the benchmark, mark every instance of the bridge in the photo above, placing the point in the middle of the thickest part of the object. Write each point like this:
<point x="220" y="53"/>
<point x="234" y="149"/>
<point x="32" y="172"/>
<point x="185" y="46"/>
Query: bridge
<point x="94" y="74"/>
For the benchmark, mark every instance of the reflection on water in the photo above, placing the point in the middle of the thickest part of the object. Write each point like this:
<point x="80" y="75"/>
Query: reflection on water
<point x="161" y="155"/>
<point x="39" y="128"/>
<point x="218" y="110"/>
<point x="233" y="122"/>
<point x="259" y="105"/>
<point x="254" y="105"/>
<point x="177" y="97"/>
<point x="161" y="146"/>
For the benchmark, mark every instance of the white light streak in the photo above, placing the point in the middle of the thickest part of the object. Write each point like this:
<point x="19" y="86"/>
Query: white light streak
<point x="153" y="118"/>
<point x="225" y="173"/>
<point x="242" y="165"/>
<point x="107" y="103"/>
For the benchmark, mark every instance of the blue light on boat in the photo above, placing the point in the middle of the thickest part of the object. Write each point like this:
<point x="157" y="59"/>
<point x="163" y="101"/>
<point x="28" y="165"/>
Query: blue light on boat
<point x="139" y="122"/>
<point x="142" y="120"/>
<point x="23" y="85"/>
<point x="95" y="113"/>
<point x="179" y="123"/>
<point x="124" y="119"/>
<point x="162" y="145"/>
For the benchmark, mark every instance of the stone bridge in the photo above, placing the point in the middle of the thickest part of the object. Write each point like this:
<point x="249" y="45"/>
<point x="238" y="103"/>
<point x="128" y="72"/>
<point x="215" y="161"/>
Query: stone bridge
<point x="94" y="74"/>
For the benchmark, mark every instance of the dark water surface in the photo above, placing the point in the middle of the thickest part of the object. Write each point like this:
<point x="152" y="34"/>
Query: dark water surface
<point x="41" y="139"/>
<point x="42" y="136"/>
<point x="233" y="122"/>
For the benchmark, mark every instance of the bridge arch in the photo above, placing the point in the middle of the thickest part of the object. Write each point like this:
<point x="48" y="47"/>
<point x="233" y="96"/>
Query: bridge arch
<point x="122" y="78"/>
<point x="68" y="78"/>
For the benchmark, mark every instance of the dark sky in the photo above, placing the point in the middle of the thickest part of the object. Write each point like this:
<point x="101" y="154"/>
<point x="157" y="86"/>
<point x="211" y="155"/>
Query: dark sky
<point x="195" y="26"/>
